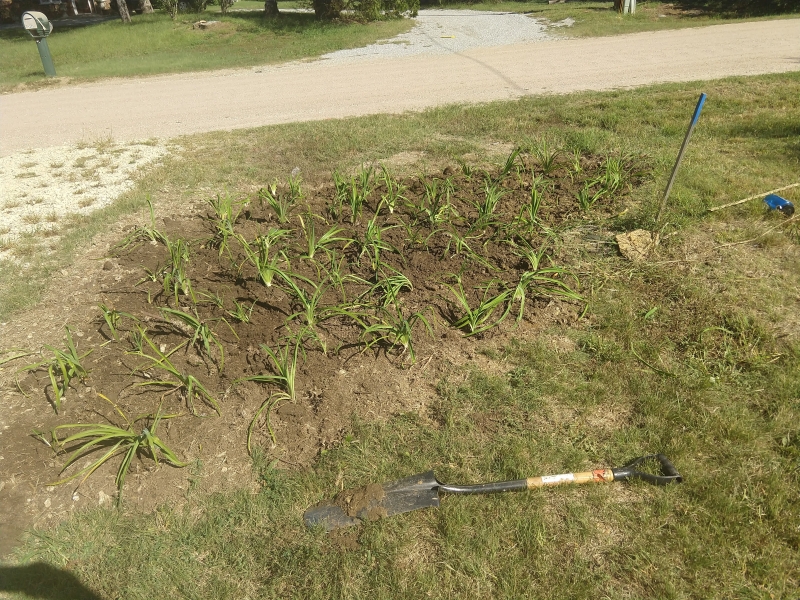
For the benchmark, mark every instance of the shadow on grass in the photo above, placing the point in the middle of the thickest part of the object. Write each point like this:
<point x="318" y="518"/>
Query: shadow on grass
<point x="774" y="129"/>
<point x="16" y="35"/>
<point x="40" y="580"/>
<point x="740" y="8"/>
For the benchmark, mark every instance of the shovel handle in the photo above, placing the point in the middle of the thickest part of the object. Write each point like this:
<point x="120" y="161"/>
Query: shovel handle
<point x="669" y="474"/>
<point x="518" y="485"/>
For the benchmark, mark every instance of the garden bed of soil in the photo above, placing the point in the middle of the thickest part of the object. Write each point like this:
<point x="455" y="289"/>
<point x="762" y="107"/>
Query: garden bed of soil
<point x="370" y="319"/>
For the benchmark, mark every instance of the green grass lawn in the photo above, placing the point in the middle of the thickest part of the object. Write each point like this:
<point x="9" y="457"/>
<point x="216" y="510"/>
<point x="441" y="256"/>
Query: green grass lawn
<point x="694" y="353"/>
<point x="155" y="44"/>
<point x="594" y="19"/>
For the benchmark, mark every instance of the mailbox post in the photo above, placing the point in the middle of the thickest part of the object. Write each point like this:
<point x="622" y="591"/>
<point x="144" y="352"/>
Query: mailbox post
<point x="38" y="25"/>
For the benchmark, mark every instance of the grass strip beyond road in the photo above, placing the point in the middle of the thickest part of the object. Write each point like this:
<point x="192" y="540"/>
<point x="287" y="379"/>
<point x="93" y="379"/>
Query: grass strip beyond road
<point x="156" y="44"/>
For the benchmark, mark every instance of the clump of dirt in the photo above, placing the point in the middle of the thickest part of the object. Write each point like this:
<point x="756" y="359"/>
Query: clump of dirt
<point x="362" y="302"/>
<point x="364" y="503"/>
<point x="344" y="540"/>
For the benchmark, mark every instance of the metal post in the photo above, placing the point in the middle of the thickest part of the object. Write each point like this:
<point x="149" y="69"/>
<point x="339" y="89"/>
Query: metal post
<point x="695" y="117"/>
<point x="47" y="60"/>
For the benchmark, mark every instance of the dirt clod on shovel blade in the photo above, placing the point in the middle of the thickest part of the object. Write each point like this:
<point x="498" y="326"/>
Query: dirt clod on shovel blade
<point x="374" y="502"/>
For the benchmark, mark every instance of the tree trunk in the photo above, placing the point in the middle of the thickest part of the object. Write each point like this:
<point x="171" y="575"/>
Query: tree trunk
<point x="124" y="13"/>
<point x="271" y="8"/>
<point x="146" y="6"/>
<point x="328" y="9"/>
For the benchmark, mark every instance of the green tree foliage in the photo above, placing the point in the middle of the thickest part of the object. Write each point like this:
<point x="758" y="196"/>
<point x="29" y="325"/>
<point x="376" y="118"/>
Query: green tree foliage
<point x="741" y="8"/>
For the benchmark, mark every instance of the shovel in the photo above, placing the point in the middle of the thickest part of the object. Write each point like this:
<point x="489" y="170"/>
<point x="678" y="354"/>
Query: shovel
<point x="375" y="501"/>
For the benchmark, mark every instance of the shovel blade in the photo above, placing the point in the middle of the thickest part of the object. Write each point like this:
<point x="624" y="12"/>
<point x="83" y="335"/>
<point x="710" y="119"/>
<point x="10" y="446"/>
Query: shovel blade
<point x="375" y="502"/>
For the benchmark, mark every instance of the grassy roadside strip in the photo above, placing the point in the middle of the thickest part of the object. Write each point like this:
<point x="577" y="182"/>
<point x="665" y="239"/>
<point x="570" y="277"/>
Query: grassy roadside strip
<point x="723" y="403"/>
<point x="155" y="44"/>
<point x="595" y="19"/>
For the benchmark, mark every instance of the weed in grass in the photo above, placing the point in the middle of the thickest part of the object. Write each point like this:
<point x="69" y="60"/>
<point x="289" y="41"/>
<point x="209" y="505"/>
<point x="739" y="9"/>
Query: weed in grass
<point x="118" y="440"/>
<point x="727" y="350"/>
<point x="32" y="219"/>
<point x="86" y="202"/>
<point x="183" y="382"/>
<point x="63" y="367"/>
<point x="27" y="175"/>
<point x="478" y="319"/>
<point x="201" y="332"/>
<point x="112" y="317"/>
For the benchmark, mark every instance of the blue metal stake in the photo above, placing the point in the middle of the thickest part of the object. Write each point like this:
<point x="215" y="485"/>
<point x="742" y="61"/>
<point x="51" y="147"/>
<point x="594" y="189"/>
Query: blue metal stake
<point x="695" y="118"/>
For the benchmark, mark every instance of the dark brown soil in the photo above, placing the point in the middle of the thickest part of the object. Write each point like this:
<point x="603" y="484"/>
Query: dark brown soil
<point x="363" y="502"/>
<point x="358" y="374"/>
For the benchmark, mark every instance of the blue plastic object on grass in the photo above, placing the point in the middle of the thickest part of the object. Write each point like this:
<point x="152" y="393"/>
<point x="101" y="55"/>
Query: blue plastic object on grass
<point x="775" y="202"/>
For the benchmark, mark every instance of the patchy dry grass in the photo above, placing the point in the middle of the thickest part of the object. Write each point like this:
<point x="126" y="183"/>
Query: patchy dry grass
<point x="695" y="353"/>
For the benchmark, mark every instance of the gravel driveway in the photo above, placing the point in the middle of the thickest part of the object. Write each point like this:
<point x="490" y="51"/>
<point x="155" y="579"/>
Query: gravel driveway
<point x="449" y="31"/>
